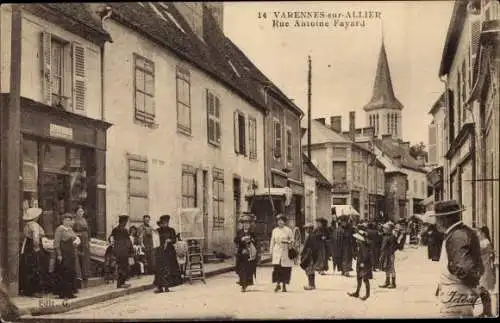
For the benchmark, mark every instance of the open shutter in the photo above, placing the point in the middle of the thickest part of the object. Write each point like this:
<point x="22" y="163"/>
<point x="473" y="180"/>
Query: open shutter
<point x="243" y="134"/>
<point x="209" y="120"/>
<point x="475" y="35"/>
<point x="236" y="133"/>
<point x="219" y="120"/>
<point x="79" y="79"/>
<point x="46" y="67"/>
<point x="432" y="144"/>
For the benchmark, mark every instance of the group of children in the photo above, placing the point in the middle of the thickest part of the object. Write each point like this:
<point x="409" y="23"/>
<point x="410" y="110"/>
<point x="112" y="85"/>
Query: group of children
<point x="392" y="241"/>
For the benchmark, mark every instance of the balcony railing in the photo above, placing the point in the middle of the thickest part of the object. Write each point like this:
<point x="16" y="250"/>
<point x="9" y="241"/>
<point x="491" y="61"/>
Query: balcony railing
<point x="61" y="102"/>
<point x="340" y="187"/>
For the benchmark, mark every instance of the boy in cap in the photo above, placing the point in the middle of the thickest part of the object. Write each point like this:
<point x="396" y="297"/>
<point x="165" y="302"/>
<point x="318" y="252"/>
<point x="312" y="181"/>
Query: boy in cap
<point x="309" y="256"/>
<point x="363" y="264"/>
<point x="387" y="255"/>
<point x="123" y="250"/>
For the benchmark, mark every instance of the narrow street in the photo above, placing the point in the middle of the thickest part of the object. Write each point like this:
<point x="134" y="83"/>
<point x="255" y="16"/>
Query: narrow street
<point x="221" y="298"/>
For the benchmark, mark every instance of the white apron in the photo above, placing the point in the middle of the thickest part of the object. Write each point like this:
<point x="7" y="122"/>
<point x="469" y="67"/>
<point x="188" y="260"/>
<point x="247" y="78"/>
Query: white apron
<point x="455" y="299"/>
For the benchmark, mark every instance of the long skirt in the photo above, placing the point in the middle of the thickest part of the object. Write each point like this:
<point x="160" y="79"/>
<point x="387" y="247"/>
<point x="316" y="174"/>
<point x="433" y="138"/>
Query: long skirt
<point x="245" y="270"/>
<point x="281" y="274"/>
<point x="66" y="270"/>
<point x="34" y="266"/>
<point x="321" y="263"/>
<point x="167" y="271"/>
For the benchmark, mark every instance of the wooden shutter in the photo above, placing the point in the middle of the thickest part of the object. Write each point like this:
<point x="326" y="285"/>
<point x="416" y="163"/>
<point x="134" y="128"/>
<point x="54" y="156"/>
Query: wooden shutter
<point x="209" y="120"/>
<point x="217" y="112"/>
<point x="475" y="35"/>
<point x="432" y="144"/>
<point x="277" y="139"/>
<point x="236" y="133"/>
<point x="79" y="77"/>
<point x="46" y="67"/>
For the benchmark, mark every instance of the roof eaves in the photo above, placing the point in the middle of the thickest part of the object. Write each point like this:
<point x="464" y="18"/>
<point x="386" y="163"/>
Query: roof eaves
<point x="452" y="36"/>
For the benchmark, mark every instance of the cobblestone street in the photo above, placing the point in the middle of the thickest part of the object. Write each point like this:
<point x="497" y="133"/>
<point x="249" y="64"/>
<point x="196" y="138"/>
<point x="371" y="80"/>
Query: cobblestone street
<point x="221" y="297"/>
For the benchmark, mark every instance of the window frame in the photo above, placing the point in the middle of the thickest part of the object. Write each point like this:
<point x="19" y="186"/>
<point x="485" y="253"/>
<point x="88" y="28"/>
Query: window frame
<point x="183" y="74"/>
<point x="189" y="171"/>
<point x="289" y="145"/>
<point x="144" y="116"/>
<point x="131" y="159"/>
<point x="218" y="199"/>
<point x="344" y="163"/>
<point x="277" y="153"/>
<point x="252" y="137"/>
<point x="214" y="140"/>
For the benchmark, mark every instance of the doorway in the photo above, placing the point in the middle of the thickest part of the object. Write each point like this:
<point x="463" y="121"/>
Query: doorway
<point x="236" y="201"/>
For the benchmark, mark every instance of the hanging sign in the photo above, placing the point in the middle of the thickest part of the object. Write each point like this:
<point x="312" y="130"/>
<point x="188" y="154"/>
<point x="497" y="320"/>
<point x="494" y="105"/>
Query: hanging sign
<point x="60" y="132"/>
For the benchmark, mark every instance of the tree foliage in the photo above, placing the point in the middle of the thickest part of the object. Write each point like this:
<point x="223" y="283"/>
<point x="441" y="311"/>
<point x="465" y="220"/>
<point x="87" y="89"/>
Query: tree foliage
<point x="418" y="150"/>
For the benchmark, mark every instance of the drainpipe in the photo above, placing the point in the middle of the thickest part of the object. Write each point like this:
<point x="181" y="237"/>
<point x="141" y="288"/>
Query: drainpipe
<point x="444" y="80"/>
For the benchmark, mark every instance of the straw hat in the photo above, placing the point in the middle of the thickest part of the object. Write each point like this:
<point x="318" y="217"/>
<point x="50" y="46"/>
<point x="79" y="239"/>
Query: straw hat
<point x="449" y="207"/>
<point x="388" y="225"/>
<point x="245" y="218"/>
<point x="360" y="235"/>
<point x="32" y="213"/>
<point x="281" y="217"/>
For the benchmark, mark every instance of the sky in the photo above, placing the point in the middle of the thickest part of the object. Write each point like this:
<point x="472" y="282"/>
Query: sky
<point x="344" y="60"/>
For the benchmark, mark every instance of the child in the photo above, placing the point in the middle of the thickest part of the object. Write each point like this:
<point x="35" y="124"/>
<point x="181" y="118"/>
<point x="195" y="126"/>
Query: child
<point x="363" y="264"/>
<point x="181" y="249"/>
<point x="387" y="255"/>
<point x="110" y="270"/>
<point x="138" y="268"/>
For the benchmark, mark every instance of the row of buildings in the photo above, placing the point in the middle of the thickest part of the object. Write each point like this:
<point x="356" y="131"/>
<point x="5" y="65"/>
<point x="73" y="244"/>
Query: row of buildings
<point x="140" y="108"/>
<point x="464" y="134"/>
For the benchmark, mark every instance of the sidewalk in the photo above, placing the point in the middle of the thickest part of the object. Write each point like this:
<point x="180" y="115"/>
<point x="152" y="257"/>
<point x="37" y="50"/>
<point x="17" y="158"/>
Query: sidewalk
<point x="93" y="295"/>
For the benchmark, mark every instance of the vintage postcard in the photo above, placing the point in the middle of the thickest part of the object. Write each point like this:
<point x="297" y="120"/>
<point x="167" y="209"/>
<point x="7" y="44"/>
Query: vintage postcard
<point x="249" y="160"/>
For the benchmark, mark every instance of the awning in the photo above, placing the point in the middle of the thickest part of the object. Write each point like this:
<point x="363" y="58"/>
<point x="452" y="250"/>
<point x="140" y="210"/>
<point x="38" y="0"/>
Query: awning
<point x="345" y="210"/>
<point x="285" y="192"/>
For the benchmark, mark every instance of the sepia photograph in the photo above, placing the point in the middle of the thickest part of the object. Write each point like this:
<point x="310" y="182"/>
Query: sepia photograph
<point x="254" y="160"/>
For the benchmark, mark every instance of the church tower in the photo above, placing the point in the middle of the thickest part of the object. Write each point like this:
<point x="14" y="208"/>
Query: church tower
<point x="383" y="112"/>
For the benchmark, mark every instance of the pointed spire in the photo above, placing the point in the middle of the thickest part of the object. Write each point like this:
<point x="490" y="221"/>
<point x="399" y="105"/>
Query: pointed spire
<point x="383" y="92"/>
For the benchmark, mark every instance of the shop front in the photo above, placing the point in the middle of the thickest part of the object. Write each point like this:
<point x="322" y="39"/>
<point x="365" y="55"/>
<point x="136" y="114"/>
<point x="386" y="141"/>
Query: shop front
<point x="63" y="166"/>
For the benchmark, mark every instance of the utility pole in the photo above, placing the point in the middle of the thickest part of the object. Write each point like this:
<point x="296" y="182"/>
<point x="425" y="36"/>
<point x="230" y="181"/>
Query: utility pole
<point x="13" y="166"/>
<point x="309" y="75"/>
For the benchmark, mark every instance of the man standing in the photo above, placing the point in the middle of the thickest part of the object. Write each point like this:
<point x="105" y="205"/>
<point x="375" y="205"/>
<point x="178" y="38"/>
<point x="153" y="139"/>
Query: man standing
<point x="461" y="265"/>
<point x="123" y="250"/>
<point x="146" y="239"/>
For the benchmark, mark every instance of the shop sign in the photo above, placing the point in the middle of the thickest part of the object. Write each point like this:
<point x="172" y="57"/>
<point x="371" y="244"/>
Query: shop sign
<point x="60" y="132"/>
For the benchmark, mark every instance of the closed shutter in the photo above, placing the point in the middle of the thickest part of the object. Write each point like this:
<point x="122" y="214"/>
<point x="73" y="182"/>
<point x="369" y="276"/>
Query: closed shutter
<point x="475" y="35"/>
<point x="79" y="79"/>
<point x="236" y="133"/>
<point x="277" y="139"/>
<point x="219" y="119"/>
<point x="46" y="62"/>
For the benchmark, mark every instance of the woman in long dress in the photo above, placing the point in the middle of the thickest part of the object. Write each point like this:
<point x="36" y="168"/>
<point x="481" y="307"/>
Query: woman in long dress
<point x="66" y="243"/>
<point x="434" y="242"/>
<point x="168" y="273"/>
<point x="34" y="261"/>
<point x="246" y="254"/>
<point x="81" y="228"/>
<point x="321" y="231"/>
<point x="281" y="242"/>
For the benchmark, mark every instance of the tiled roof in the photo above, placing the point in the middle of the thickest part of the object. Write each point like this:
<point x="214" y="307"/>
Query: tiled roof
<point x="394" y="150"/>
<point x="440" y="102"/>
<point x="216" y="54"/>
<point x="383" y="92"/>
<point x="313" y="171"/>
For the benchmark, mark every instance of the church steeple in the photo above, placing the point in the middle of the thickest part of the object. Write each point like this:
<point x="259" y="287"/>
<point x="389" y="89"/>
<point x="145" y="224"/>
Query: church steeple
<point x="383" y="93"/>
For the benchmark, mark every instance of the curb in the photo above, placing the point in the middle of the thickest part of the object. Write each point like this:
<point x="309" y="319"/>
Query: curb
<point x="77" y="304"/>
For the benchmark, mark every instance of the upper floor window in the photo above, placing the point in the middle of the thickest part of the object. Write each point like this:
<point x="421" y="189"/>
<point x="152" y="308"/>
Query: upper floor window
<point x="138" y="187"/>
<point x="252" y="137"/>
<point x="64" y="83"/>
<point x="213" y="119"/>
<point x="396" y="124"/>
<point x="415" y="186"/>
<point x="459" y="101"/>
<point x="339" y="172"/>
<point x="277" y="138"/>
<point x="464" y="90"/>
<point x="289" y="145"/>
<point x="144" y="80"/>
<point x="188" y="184"/>
<point x="240" y="133"/>
<point x="183" y="100"/>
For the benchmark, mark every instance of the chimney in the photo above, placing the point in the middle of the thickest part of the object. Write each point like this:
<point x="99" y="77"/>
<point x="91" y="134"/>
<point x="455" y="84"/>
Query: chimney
<point x="321" y="120"/>
<point x="97" y="11"/>
<point x="217" y="11"/>
<point x="193" y="14"/>
<point x="352" y="125"/>
<point x="336" y="123"/>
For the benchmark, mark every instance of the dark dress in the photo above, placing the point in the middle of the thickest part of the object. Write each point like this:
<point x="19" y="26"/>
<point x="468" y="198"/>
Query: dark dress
<point x="33" y="268"/>
<point x="364" y="263"/>
<point x="245" y="268"/>
<point x="375" y="240"/>
<point x="167" y="271"/>
<point x="333" y="245"/>
<point x="66" y="268"/>
<point x="387" y="251"/>
<point x="322" y="236"/>
<point x="122" y="250"/>
<point x="309" y="254"/>
<point x="344" y="248"/>
<point x="434" y="243"/>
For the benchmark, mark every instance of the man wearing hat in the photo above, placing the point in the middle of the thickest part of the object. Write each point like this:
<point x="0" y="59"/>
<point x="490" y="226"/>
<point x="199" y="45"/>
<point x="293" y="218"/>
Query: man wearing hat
<point x="461" y="264"/>
<point x="246" y="254"/>
<point x="309" y="255"/>
<point x="123" y="250"/>
<point x="321" y="231"/>
<point x="387" y="255"/>
<point x="363" y="264"/>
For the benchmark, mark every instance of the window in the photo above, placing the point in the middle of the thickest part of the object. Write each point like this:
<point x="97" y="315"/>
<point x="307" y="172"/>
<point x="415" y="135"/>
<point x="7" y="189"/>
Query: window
<point x="339" y="172"/>
<point x="252" y="137"/>
<point x="218" y="198"/>
<point x="138" y="187"/>
<point x="277" y="138"/>
<point x="213" y="119"/>
<point x="459" y="101"/>
<point x="376" y="131"/>
<point x="424" y="193"/>
<point x="183" y="100"/>
<point x="415" y="186"/>
<point x="388" y="123"/>
<point x="289" y="152"/>
<point x="144" y="79"/>
<point x="240" y="133"/>
<point x="464" y="90"/>
<point x="64" y="73"/>
<point x="188" y="187"/>
<point x="396" y="124"/>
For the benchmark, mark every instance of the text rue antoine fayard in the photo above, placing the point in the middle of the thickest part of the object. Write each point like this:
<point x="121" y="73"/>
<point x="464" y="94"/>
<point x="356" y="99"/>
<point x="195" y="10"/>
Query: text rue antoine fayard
<point x="322" y="19"/>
